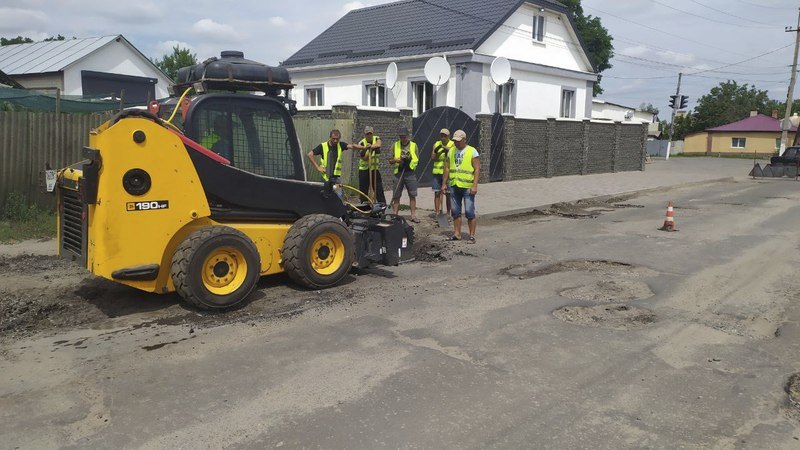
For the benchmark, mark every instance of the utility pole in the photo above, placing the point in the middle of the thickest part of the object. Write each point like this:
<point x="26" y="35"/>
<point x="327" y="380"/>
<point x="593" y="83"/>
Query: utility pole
<point x="786" y="125"/>
<point x="676" y="103"/>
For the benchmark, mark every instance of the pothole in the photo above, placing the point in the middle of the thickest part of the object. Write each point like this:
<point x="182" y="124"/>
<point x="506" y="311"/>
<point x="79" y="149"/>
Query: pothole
<point x="610" y="291"/>
<point x="615" y="317"/>
<point x="607" y="268"/>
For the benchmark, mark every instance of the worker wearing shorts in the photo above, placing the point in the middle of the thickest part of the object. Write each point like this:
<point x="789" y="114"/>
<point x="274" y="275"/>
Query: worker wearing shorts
<point x="438" y="156"/>
<point x="405" y="159"/>
<point x="462" y="170"/>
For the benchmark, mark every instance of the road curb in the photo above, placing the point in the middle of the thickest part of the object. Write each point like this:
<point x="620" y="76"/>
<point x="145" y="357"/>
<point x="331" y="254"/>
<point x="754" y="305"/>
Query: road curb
<point x="605" y="197"/>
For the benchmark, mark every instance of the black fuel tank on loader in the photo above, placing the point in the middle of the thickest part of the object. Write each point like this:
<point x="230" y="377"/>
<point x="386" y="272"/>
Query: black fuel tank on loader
<point x="207" y="208"/>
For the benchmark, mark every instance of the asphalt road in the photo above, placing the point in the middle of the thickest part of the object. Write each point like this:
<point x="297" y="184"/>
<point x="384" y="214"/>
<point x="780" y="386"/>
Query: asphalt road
<point x="583" y="329"/>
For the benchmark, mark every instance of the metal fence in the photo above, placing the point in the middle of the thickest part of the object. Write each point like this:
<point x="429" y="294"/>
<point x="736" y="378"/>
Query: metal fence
<point x="30" y="140"/>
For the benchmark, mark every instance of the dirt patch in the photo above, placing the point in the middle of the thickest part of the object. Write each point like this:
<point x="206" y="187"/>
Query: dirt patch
<point x="608" y="291"/>
<point x="793" y="390"/>
<point x="626" y="205"/>
<point x="607" y="268"/>
<point x="615" y="317"/>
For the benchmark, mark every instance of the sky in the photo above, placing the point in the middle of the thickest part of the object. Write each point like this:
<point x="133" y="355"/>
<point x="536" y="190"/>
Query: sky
<point x="710" y="41"/>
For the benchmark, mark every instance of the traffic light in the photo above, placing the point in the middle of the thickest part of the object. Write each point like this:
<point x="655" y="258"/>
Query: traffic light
<point x="673" y="101"/>
<point x="684" y="101"/>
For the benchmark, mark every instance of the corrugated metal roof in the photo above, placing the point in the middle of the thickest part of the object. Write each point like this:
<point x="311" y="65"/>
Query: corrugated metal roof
<point x="50" y="56"/>
<point x="408" y="28"/>
<point x="758" y="122"/>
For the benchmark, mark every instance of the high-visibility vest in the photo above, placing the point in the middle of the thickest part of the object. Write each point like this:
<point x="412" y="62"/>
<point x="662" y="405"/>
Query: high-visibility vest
<point x="412" y="147"/>
<point x="373" y="160"/>
<point x="337" y="169"/>
<point x="438" y="162"/>
<point x="464" y="175"/>
<point x="209" y="140"/>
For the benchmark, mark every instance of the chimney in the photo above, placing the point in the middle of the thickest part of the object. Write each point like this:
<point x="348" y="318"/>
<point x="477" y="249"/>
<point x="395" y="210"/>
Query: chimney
<point x="753" y="113"/>
<point x="774" y="113"/>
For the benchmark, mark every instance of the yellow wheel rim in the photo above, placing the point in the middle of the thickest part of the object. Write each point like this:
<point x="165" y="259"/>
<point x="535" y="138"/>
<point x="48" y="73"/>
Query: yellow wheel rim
<point x="327" y="254"/>
<point x="224" y="271"/>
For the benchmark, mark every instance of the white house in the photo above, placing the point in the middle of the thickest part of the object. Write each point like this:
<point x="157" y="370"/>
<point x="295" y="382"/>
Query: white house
<point x="551" y="75"/>
<point x="92" y="67"/>
<point x="603" y="110"/>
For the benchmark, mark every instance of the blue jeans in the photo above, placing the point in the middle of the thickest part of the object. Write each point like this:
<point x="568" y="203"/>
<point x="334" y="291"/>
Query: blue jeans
<point x="458" y="194"/>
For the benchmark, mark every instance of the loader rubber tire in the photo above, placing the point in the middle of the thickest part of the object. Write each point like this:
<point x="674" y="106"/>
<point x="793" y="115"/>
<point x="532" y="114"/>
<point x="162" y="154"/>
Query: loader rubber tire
<point x="215" y="268"/>
<point x="318" y="251"/>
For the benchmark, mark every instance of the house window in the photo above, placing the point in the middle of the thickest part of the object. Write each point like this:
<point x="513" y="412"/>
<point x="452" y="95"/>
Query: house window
<point x="504" y="96"/>
<point x="568" y="103"/>
<point x="314" y="96"/>
<point x="538" y="28"/>
<point x="738" y="142"/>
<point x="376" y="95"/>
<point x="423" y="97"/>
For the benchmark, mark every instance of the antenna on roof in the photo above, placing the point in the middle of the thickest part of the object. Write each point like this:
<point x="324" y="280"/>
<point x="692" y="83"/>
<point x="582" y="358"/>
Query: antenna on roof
<point x="437" y="71"/>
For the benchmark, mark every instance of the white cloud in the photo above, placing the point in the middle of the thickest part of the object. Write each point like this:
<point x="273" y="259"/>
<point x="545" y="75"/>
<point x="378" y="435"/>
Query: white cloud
<point x="16" y="20"/>
<point x="165" y="47"/>
<point x="349" y="6"/>
<point x="133" y="13"/>
<point x="278" y="21"/>
<point x="216" y="32"/>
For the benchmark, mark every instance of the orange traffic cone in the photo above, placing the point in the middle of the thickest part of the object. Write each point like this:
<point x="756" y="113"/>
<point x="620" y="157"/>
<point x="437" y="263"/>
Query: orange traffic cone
<point x="669" y="221"/>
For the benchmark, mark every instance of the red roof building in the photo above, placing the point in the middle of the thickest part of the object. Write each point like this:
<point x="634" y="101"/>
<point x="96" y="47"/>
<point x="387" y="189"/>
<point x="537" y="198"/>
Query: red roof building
<point x="757" y="134"/>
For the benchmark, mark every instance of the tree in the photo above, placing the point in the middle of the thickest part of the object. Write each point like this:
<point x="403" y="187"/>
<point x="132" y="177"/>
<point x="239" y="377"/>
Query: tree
<point x="27" y="40"/>
<point x="729" y="102"/>
<point x="595" y="37"/>
<point x="180" y="57"/>
<point x="16" y="40"/>
<point x="648" y="107"/>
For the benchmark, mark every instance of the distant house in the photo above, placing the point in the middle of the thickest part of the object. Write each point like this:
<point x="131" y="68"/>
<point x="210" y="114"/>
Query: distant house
<point x="755" y="134"/>
<point x="603" y="110"/>
<point x="103" y="67"/>
<point x="551" y="74"/>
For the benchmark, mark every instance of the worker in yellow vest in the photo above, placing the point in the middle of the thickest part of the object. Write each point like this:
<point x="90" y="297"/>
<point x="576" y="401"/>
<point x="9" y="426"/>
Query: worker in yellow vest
<point x="218" y="140"/>
<point x="462" y="170"/>
<point x="438" y="156"/>
<point x="369" y="175"/>
<point x="330" y="165"/>
<point x="405" y="160"/>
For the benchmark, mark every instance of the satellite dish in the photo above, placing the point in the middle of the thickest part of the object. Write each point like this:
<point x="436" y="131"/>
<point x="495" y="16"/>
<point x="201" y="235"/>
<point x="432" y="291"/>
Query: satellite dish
<point x="500" y="70"/>
<point x="391" y="75"/>
<point x="437" y="71"/>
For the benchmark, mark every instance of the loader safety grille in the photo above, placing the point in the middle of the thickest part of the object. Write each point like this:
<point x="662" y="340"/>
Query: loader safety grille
<point x="73" y="225"/>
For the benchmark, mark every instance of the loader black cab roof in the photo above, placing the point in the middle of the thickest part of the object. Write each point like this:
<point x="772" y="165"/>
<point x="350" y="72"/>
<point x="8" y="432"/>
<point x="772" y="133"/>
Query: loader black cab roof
<point x="232" y="72"/>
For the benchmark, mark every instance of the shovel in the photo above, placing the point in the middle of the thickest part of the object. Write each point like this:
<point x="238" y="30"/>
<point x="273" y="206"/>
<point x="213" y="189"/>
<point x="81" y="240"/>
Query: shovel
<point x="442" y="219"/>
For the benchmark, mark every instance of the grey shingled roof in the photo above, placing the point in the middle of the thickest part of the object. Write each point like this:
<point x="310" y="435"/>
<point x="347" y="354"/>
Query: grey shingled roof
<point x="407" y="28"/>
<point x="50" y="56"/>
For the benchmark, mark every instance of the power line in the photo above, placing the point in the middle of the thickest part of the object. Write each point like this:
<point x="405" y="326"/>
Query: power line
<point x="662" y="31"/>
<point x="729" y="14"/>
<point x="761" y="6"/>
<point x="706" y="18"/>
<point x="746" y="60"/>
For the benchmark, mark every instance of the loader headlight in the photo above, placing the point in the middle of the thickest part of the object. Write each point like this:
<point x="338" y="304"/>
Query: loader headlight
<point x="136" y="182"/>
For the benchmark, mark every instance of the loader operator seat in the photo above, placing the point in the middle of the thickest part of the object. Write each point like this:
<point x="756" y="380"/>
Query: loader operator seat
<point x="265" y="178"/>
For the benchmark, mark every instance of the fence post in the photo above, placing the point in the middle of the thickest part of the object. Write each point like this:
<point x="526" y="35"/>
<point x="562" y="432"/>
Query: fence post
<point x="508" y="144"/>
<point x="645" y="129"/>
<point x="485" y="146"/>
<point x="615" y="154"/>
<point x="585" y="153"/>
<point x="551" y="146"/>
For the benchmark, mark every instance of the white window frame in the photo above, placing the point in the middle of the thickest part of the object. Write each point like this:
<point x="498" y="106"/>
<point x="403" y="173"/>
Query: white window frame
<point x="375" y="94"/>
<point x="567" y="108"/>
<point x="734" y="142"/>
<point x="419" y="104"/>
<point x="314" y="95"/>
<point x="537" y="34"/>
<point x="504" y="100"/>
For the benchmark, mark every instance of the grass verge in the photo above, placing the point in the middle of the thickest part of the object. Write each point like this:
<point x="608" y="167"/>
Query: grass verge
<point x="20" y="221"/>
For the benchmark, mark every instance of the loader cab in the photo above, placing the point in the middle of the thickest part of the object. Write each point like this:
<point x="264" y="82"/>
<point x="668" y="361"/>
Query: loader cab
<point x="254" y="132"/>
